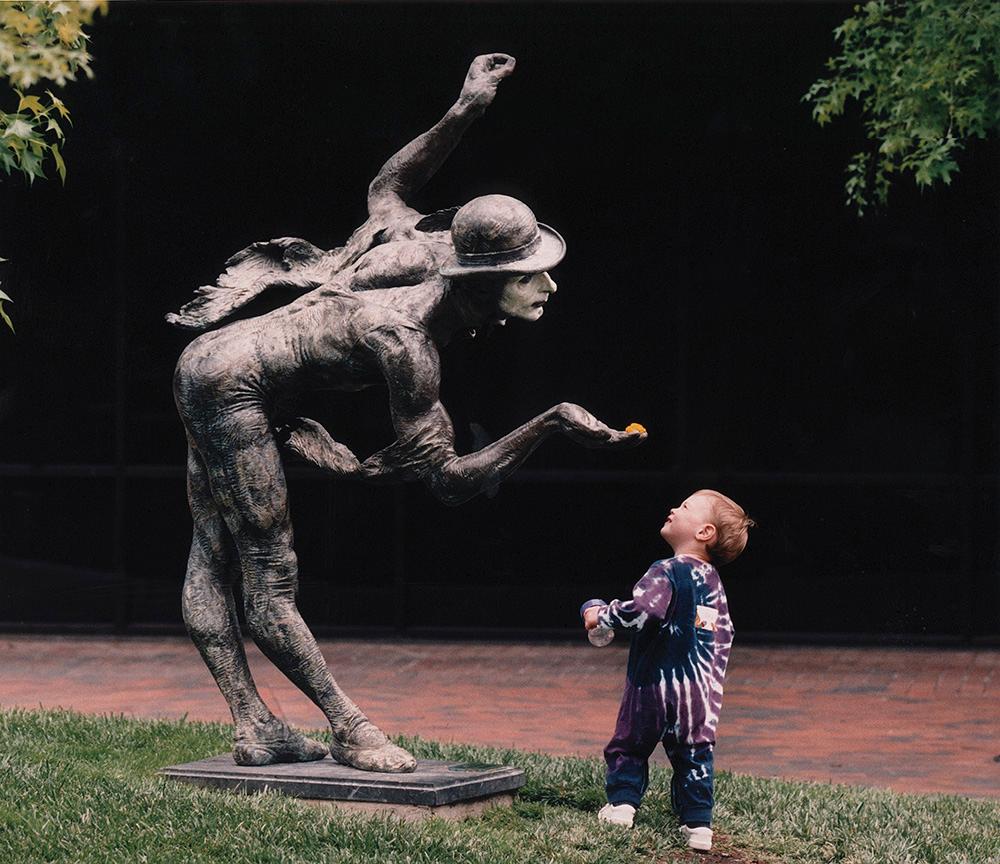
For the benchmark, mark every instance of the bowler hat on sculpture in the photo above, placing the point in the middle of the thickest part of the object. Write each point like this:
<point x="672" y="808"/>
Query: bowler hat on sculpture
<point x="499" y="234"/>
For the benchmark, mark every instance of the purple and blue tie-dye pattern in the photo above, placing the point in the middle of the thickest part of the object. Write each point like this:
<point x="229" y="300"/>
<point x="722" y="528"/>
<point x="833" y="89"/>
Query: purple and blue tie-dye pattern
<point x="678" y="656"/>
<point x="681" y="640"/>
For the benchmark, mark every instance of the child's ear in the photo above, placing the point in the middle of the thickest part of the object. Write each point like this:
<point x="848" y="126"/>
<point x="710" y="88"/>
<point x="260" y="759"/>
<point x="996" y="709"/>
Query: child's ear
<point x="706" y="534"/>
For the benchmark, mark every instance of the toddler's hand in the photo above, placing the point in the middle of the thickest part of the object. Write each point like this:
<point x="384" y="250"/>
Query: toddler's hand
<point x="590" y="616"/>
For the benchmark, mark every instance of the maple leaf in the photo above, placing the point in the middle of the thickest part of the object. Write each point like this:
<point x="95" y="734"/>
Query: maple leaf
<point x="60" y="165"/>
<point x="68" y="30"/>
<point x="60" y="105"/>
<point x="20" y="129"/>
<point x="3" y="312"/>
<point x="31" y="165"/>
<point x="33" y="103"/>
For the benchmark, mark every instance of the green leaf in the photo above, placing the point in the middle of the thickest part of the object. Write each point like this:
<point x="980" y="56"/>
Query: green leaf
<point x="59" y="104"/>
<point x="33" y="103"/>
<point x="31" y="165"/>
<point x="60" y="165"/>
<point x="6" y="317"/>
<point x="19" y="129"/>
<point x="925" y="75"/>
<point x="8" y="160"/>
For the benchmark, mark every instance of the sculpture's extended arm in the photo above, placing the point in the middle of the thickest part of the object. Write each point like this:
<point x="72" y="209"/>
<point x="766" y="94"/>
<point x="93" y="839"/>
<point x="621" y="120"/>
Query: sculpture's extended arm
<point x="409" y="169"/>
<point x="452" y="478"/>
<point x="425" y="436"/>
<point x="425" y="443"/>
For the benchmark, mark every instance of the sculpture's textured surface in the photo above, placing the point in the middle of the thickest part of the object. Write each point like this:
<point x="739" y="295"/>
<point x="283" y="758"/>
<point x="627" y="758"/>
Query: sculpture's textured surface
<point x="371" y="313"/>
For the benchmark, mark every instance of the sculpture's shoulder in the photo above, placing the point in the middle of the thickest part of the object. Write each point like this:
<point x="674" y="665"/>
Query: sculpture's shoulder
<point x="400" y="262"/>
<point x="405" y="223"/>
<point x="375" y="311"/>
<point x="406" y="354"/>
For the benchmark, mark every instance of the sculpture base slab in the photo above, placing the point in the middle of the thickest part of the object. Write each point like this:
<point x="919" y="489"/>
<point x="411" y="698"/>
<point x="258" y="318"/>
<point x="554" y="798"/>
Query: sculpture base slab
<point x="449" y="790"/>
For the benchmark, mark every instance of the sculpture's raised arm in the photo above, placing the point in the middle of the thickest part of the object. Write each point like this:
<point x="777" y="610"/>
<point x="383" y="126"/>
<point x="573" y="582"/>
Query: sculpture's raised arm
<point x="409" y="169"/>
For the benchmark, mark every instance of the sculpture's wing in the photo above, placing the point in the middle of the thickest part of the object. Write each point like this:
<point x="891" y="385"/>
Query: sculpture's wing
<point x="286" y="268"/>
<point x="286" y="262"/>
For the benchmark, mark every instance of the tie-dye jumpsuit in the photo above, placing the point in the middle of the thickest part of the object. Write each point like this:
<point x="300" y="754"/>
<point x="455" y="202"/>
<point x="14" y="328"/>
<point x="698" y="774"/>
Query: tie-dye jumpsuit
<point x="681" y="638"/>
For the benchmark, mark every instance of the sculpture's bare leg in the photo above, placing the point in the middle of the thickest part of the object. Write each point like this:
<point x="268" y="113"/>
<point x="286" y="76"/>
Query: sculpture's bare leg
<point x="249" y="489"/>
<point x="210" y="616"/>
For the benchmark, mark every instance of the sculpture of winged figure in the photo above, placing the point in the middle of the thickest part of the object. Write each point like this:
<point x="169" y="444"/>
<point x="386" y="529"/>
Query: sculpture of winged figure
<point x="371" y="313"/>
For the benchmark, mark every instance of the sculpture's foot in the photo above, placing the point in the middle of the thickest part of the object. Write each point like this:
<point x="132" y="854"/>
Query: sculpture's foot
<point x="275" y="742"/>
<point x="367" y="748"/>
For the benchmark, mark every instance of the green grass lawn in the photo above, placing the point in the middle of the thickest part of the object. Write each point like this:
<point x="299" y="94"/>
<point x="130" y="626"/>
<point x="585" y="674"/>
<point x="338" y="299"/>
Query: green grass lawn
<point x="75" y="788"/>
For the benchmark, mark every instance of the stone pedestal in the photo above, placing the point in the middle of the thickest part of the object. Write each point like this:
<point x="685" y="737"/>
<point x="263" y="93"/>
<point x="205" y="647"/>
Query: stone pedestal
<point x="451" y="790"/>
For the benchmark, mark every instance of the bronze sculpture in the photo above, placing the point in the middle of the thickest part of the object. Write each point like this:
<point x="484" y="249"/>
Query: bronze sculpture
<point x="371" y="312"/>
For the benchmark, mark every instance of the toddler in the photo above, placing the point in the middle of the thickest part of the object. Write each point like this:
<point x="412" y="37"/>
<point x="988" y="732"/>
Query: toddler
<point x="680" y="646"/>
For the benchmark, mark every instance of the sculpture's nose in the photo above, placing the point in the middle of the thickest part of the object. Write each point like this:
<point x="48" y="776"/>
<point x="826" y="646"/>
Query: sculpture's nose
<point x="549" y="284"/>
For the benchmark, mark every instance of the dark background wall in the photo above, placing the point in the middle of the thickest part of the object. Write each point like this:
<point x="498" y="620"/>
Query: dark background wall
<point x="836" y="376"/>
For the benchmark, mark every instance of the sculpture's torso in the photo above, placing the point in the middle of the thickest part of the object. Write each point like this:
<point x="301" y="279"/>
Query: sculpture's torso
<point x="319" y="340"/>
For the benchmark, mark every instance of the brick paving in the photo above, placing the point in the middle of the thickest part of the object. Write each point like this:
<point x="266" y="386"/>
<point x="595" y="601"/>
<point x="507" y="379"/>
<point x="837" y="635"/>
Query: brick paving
<point x="914" y="720"/>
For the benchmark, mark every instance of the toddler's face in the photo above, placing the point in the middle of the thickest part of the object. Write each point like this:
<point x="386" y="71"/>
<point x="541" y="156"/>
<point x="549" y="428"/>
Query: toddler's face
<point x="686" y="519"/>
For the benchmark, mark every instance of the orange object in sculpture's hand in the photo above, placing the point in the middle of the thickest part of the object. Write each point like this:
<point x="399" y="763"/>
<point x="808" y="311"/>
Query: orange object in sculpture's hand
<point x="635" y="427"/>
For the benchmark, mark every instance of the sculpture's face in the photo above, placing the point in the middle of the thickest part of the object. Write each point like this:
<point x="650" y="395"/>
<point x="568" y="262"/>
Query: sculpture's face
<point x="524" y="296"/>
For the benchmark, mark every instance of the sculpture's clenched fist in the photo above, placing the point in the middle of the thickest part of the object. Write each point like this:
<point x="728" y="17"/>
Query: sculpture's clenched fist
<point x="485" y="74"/>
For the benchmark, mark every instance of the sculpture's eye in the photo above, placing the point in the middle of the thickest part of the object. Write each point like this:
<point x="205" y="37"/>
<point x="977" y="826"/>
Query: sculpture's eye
<point x="524" y="280"/>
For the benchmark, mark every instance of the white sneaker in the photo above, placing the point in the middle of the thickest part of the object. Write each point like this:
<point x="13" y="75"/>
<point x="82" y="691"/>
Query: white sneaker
<point x="697" y="838"/>
<point x="617" y="814"/>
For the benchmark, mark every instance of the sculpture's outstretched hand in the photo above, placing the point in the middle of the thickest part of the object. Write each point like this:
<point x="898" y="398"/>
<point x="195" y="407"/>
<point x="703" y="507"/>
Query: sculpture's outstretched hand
<point x="584" y="428"/>
<point x="310" y="441"/>
<point x="485" y="74"/>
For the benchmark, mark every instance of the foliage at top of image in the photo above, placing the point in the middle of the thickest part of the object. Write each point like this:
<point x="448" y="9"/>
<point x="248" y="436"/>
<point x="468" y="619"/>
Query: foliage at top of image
<point x="39" y="41"/>
<point x="927" y="76"/>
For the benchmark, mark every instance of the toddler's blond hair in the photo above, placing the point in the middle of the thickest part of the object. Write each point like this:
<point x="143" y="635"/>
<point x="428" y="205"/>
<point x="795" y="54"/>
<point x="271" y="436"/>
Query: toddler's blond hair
<point x="731" y="527"/>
